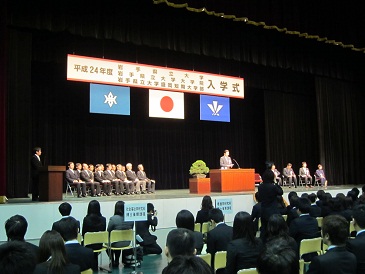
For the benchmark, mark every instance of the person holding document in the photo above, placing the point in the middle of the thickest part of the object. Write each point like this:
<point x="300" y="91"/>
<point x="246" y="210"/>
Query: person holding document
<point x="225" y="160"/>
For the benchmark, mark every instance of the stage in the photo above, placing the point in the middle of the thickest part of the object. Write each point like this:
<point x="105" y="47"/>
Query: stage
<point x="41" y="215"/>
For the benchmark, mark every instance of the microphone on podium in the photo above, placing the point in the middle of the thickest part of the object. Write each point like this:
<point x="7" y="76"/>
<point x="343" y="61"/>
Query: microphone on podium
<point x="236" y="163"/>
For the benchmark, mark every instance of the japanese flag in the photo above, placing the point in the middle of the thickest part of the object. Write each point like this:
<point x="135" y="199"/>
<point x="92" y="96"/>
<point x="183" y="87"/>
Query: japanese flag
<point x="166" y="104"/>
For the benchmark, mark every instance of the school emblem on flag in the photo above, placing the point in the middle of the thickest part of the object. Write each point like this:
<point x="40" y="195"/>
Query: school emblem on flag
<point x="108" y="99"/>
<point x="214" y="108"/>
<point x="166" y="104"/>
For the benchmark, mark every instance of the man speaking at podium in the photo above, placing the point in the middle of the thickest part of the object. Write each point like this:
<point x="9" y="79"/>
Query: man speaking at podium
<point x="225" y="161"/>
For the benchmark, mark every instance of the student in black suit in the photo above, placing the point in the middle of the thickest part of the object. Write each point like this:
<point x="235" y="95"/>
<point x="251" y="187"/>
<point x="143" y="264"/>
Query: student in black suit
<point x="268" y="192"/>
<point x="219" y="237"/>
<point x="305" y="226"/>
<point x="357" y="245"/>
<point x="244" y="249"/>
<point x="65" y="211"/>
<point x="337" y="259"/>
<point x="76" y="253"/>
<point x="256" y="212"/>
<point x="202" y="215"/>
<point x="185" y="219"/>
<point x="315" y="210"/>
<point x="35" y="165"/>
<point x="15" y="228"/>
<point x="179" y="242"/>
<point x="16" y="257"/>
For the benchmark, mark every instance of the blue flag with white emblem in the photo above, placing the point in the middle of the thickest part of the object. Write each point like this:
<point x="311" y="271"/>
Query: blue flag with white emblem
<point x="213" y="108"/>
<point x="108" y="99"/>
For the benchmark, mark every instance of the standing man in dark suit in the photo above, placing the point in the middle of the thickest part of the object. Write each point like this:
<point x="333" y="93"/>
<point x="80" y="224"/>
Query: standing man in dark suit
<point x="76" y="253"/>
<point x="337" y="259"/>
<point x="141" y="175"/>
<point x="289" y="174"/>
<point x="357" y="245"/>
<point x="225" y="161"/>
<point x="35" y="165"/>
<point x="132" y="176"/>
<point x="219" y="237"/>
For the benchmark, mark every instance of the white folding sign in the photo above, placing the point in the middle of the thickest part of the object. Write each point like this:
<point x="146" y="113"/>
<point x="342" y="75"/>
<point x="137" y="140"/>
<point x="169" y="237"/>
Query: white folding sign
<point x="104" y="71"/>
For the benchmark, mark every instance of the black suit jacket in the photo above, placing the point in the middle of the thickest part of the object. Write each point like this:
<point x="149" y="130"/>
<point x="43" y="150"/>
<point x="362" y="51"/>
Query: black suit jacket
<point x="99" y="177"/>
<point x="304" y="227"/>
<point x="268" y="196"/>
<point x="55" y="225"/>
<point x="80" y="255"/>
<point x="218" y="239"/>
<point x="357" y="247"/>
<point x="242" y="254"/>
<point x="315" y="211"/>
<point x="131" y="175"/>
<point x="86" y="176"/>
<point x="336" y="260"/>
<point x="35" y="164"/>
<point x="202" y="216"/>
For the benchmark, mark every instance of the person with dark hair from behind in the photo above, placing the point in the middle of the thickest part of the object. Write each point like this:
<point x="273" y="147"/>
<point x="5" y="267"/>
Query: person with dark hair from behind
<point x="202" y="215"/>
<point x="277" y="258"/>
<point x="256" y="212"/>
<point x="292" y="212"/>
<point x="117" y="222"/>
<point x="268" y="192"/>
<point x="149" y="242"/>
<point x="244" y="249"/>
<point x="15" y="228"/>
<point x="35" y="165"/>
<point x="65" y="211"/>
<point x="187" y="265"/>
<point x="320" y="194"/>
<point x="278" y="229"/>
<point x="76" y="253"/>
<point x="357" y="245"/>
<point x="185" y="219"/>
<point x="315" y="210"/>
<point x="179" y="242"/>
<point x="16" y="258"/>
<point x="93" y="222"/>
<point x="305" y="226"/>
<point x="52" y="256"/>
<point x="335" y="231"/>
<point x="325" y="208"/>
<point x="219" y="237"/>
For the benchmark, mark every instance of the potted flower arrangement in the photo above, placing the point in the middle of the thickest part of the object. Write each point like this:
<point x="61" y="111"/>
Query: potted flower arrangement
<point x="199" y="169"/>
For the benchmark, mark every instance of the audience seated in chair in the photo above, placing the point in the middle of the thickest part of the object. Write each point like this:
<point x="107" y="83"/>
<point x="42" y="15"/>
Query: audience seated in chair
<point x="65" y="211"/>
<point x="244" y="249"/>
<point x="315" y="210"/>
<point x="337" y="259"/>
<point x="185" y="219"/>
<point x="277" y="258"/>
<point x="17" y="258"/>
<point x="187" y="265"/>
<point x="202" y="215"/>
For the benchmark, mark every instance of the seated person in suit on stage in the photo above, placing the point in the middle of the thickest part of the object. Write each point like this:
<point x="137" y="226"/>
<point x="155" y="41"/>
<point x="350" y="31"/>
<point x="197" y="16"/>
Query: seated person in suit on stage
<point x="244" y="249"/>
<point x="65" y="211"/>
<point x="202" y="216"/>
<point x="16" y="258"/>
<point x="94" y="222"/>
<point x="179" y="242"/>
<point x="73" y="178"/>
<point x="289" y="174"/>
<point x="185" y="219"/>
<point x="110" y="175"/>
<point x="149" y="242"/>
<point x="226" y="161"/>
<point x="52" y="255"/>
<point x="187" y="265"/>
<point x="277" y="258"/>
<point x="132" y="176"/>
<point x="305" y="174"/>
<point x="88" y="177"/>
<point x="116" y="222"/>
<point x="219" y="237"/>
<point x="141" y="175"/>
<point x="99" y="177"/>
<point x="335" y="231"/>
<point x="76" y="253"/>
<point x="128" y="185"/>
<point x="320" y="174"/>
<point x="305" y="226"/>
<point x="315" y="210"/>
<point x="276" y="173"/>
<point x="15" y="228"/>
<point x="357" y="245"/>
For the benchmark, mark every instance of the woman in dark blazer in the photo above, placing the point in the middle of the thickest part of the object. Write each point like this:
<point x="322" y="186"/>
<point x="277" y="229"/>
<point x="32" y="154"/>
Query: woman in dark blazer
<point x="203" y="214"/>
<point x="244" y="249"/>
<point x="185" y="219"/>
<point x="52" y="256"/>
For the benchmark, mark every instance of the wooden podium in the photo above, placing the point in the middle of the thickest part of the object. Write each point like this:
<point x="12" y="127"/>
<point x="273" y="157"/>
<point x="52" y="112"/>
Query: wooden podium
<point x="51" y="183"/>
<point x="232" y="180"/>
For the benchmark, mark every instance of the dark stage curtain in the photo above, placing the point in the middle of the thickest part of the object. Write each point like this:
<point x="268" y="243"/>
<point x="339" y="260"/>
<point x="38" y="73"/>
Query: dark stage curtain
<point x="341" y="118"/>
